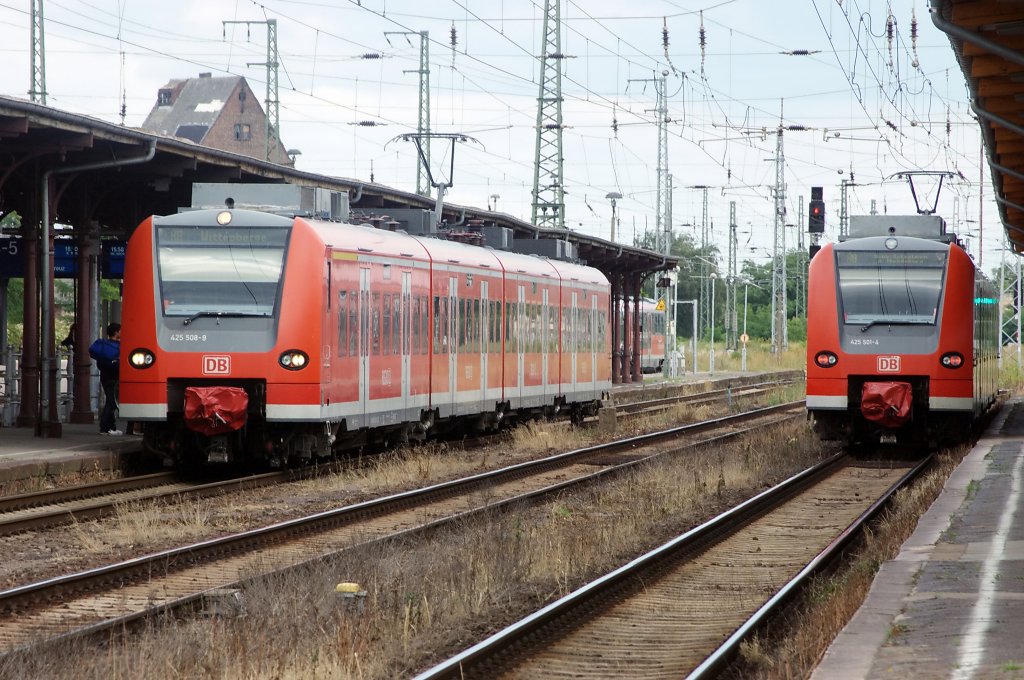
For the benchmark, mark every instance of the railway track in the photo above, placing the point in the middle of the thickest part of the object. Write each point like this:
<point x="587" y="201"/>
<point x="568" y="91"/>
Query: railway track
<point x="55" y="507"/>
<point x="727" y="394"/>
<point x="667" y="613"/>
<point x="115" y="595"/>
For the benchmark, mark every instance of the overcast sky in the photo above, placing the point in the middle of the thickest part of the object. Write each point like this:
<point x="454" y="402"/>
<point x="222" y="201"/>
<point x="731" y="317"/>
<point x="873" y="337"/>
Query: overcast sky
<point x="873" y="106"/>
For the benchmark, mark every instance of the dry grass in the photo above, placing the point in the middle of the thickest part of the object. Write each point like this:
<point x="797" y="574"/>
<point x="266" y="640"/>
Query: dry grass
<point x="759" y="358"/>
<point x="433" y="598"/>
<point x="47" y="481"/>
<point x="544" y="437"/>
<point x="833" y="599"/>
<point x="144" y="522"/>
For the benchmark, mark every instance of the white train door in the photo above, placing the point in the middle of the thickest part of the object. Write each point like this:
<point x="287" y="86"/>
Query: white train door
<point x="453" y="342"/>
<point x="574" y="334"/>
<point x="592" y="341"/>
<point x="483" y="321"/>
<point x="545" y="332"/>
<point x="520" y="341"/>
<point x="364" y="342"/>
<point x="405" y="314"/>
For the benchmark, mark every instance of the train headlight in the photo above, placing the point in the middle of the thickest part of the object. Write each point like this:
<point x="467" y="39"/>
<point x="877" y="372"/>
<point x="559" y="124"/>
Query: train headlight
<point x="826" y="359"/>
<point x="293" y="360"/>
<point x="952" y="360"/>
<point x="141" y="358"/>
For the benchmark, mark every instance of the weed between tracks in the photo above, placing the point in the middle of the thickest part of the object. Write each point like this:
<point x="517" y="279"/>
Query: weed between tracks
<point x="428" y="599"/>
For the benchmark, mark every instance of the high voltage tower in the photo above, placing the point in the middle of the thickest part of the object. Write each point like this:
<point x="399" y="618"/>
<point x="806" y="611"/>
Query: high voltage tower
<point x="801" y="262"/>
<point x="37" y="92"/>
<point x="731" y="336"/>
<point x="423" y="183"/>
<point x="548" y="190"/>
<point x="273" y="104"/>
<point x="780" y="340"/>
<point x="663" y="200"/>
<point x="704" y="319"/>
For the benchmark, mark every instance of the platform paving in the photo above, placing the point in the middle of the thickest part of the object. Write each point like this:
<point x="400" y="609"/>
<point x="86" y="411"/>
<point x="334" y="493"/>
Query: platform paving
<point x="951" y="603"/>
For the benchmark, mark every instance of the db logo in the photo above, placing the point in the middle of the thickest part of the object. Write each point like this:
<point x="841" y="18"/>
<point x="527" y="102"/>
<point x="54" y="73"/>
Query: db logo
<point x="888" y="364"/>
<point x="216" y="364"/>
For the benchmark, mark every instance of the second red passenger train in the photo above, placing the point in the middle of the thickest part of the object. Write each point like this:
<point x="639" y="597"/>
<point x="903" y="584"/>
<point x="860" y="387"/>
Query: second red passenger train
<point x="902" y="336"/>
<point x="249" y="334"/>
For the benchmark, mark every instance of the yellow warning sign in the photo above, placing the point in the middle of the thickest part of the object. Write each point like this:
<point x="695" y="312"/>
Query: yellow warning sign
<point x="660" y="307"/>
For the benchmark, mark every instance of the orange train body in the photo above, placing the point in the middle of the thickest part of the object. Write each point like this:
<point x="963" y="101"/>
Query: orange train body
<point x="341" y="335"/>
<point x="908" y="310"/>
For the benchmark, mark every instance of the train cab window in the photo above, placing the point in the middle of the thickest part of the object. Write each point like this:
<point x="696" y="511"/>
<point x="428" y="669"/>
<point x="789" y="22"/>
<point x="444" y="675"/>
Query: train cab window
<point x="890" y="287"/>
<point x="234" y="271"/>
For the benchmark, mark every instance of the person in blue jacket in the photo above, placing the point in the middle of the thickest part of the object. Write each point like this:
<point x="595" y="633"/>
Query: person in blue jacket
<point x="107" y="353"/>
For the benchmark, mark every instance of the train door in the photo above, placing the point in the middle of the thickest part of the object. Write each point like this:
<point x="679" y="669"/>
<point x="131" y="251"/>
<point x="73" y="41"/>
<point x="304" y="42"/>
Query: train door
<point x="574" y="334"/>
<point x="406" y="333"/>
<point x="483" y="322"/>
<point x="453" y="344"/>
<point x="520" y="342"/>
<point x="364" y="343"/>
<point x="544" y="340"/>
<point x="592" y="341"/>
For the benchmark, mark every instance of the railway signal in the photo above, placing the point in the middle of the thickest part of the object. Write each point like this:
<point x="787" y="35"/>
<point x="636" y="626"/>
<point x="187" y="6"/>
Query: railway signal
<point x="816" y="212"/>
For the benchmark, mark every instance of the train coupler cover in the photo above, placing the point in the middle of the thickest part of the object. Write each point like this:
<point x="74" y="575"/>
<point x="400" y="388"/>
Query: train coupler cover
<point x="886" y="403"/>
<point x="215" y="410"/>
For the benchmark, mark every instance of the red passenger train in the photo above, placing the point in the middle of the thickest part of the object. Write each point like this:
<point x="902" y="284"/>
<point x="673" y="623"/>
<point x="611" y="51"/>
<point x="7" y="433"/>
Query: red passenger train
<point x="249" y="335"/>
<point x="902" y="336"/>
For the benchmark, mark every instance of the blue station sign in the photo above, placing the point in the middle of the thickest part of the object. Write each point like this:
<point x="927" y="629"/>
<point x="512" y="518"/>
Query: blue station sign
<point x="65" y="258"/>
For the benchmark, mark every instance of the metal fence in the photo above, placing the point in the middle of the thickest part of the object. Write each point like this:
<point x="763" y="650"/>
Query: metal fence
<point x="10" y="386"/>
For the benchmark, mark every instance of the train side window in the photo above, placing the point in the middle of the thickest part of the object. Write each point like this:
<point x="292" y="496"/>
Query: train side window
<point x="342" y="323"/>
<point x="386" y="344"/>
<point x="375" y="324"/>
<point x="446" y="329"/>
<point x="353" y="326"/>
<point x="424" y="323"/>
<point x="415" y="325"/>
<point x="396" y="325"/>
<point x="478" y="331"/>
<point x="437" y="325"/>
<point x="496" y="320"/>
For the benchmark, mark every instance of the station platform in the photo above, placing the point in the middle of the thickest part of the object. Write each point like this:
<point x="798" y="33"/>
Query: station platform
<point x="951" y="603"/>
<point x="80" y="449"/>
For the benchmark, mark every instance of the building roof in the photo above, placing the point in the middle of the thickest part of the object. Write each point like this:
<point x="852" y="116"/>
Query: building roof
<point x="193" y="107"/>
<point x="988" y="39"/>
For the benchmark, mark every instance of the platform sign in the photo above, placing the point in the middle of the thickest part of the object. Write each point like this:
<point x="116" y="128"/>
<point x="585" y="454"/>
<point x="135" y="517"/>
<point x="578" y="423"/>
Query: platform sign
<point x="11" y="258"/>
<point x="65" y="259"/>
<point x="112" y="259"/>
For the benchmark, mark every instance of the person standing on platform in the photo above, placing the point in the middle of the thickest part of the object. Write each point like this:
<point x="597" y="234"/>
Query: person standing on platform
<point x="107" y="352"/>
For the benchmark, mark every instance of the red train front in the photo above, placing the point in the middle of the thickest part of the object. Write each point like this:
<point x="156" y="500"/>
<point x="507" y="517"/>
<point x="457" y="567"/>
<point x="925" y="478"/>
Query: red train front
<point x="253" y="336"/>
<point x="901" y="344"/>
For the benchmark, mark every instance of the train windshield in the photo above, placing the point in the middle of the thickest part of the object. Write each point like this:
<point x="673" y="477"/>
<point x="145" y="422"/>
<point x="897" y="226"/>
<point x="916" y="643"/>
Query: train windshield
<point x="879" y="287"/>
<point x="213" y="271"/>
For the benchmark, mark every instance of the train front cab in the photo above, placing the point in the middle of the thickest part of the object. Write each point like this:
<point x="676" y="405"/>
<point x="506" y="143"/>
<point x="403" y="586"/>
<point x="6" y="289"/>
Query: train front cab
<point x="885" y="311"/>
<point x="204" y="319"/>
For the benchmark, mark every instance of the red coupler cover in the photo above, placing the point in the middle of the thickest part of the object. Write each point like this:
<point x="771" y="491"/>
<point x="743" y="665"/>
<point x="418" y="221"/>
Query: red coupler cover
<point x="886" y="403"/>
<point x="215" y="410"/>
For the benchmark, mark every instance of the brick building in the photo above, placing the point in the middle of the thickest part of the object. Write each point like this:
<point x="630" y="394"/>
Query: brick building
<point x="222" y="113"/>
